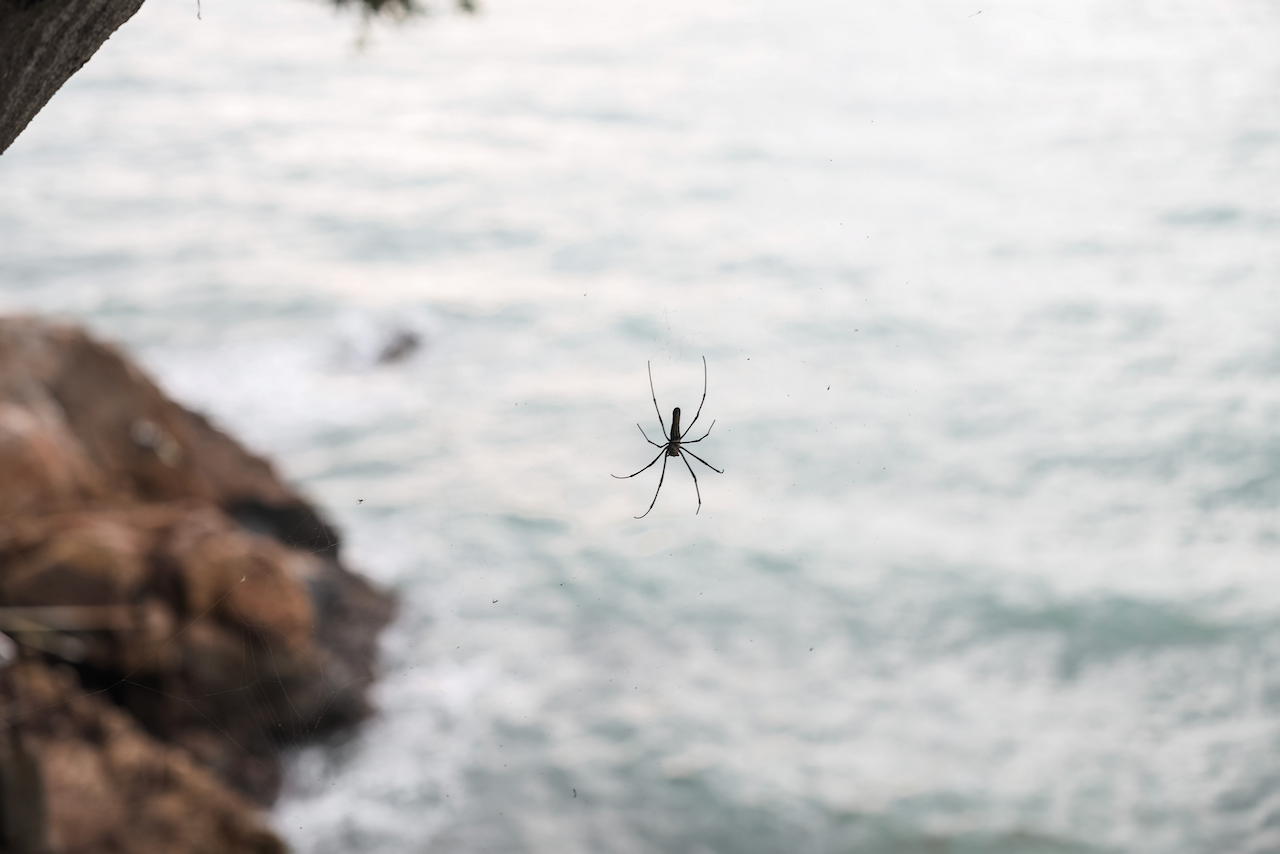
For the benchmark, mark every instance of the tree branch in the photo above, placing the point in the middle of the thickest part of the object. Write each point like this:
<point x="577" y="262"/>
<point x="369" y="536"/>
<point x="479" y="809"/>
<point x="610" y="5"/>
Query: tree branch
<point x="44" y="42"/>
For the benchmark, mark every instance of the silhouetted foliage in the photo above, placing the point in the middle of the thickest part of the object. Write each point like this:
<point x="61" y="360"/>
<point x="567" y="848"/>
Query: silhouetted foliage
<point x="396" y="8"/>
<point x="392" y="8"/>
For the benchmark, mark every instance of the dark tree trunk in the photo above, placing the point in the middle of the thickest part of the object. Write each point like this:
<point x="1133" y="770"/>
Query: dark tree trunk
<point x="44" y="42"/>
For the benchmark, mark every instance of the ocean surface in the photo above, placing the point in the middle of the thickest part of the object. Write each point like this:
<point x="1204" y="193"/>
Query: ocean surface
<point x="990" y="304"/>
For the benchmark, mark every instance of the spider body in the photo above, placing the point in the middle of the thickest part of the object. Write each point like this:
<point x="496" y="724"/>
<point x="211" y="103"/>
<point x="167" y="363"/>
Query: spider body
<point x="675" y="442"/>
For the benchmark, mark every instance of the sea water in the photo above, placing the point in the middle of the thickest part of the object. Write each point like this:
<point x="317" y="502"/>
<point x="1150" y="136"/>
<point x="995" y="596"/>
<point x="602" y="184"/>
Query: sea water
<point x="989" y="299"/>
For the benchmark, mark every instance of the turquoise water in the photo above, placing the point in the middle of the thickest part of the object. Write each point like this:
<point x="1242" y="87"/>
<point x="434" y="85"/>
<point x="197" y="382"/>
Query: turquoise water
<point x="989" y="301"/>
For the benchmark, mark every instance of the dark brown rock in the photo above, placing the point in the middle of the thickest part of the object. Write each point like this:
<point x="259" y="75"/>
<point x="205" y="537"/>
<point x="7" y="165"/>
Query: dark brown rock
<point x="180" y="577"/>
<point x="101" y="409"/>
<point x="41" y="464"/>
<point x="91" y="560"/>
<point x="109" y="786"/>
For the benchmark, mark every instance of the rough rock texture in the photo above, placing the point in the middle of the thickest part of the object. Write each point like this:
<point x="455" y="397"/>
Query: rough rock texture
<point x="111" y="787"/>
<point x="176" y="577"/>
<point x="44" y="42"/>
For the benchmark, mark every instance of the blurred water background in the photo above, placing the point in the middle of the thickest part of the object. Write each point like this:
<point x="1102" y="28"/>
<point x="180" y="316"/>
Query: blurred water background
<point x="989" y="298"/>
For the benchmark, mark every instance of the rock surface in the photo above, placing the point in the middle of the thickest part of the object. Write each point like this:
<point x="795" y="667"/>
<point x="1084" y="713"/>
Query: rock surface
<point x="183" y="613"/>
<point x="108" y="786"/>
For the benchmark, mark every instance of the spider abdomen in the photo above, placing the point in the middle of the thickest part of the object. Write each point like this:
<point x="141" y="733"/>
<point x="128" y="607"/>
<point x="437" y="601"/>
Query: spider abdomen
<point x="673" y="449"/>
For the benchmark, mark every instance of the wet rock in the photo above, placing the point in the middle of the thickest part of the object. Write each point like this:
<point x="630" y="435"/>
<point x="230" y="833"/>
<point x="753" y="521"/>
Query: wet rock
<point x="190" y="587"/>
<point x="400" y="346"/>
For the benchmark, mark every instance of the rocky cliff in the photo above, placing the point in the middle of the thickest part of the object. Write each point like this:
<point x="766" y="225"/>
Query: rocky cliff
<point x="181" y="614"/>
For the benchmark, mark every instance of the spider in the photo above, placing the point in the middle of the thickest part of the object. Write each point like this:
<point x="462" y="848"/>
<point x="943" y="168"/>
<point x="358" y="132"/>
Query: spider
<point x="675" y="442"/>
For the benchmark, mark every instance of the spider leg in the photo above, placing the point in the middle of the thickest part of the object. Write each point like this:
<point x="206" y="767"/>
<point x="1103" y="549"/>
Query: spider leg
<point x="704" y="462"/>
<point x="704" y="398"/>
<point x="655" y="459"/>
<point x="660" y="479"/>
<point x="647" y="439"/>
<point x="654" y="395"/>
<point x="700" y="438"/>
<point x="695" y="484"/>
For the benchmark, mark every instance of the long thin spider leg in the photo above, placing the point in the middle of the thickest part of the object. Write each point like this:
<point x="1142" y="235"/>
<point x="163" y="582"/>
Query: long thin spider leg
<point x="695" y="483"/>
<point x="625" y="476"/>
<point x="647" y="439"/>
<point x="704" y="462"/>
<point x="660" y="479"/>
<point x="700" y="438"/>
<point x="654" y="395"/>
<point x="704" y="399"/>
